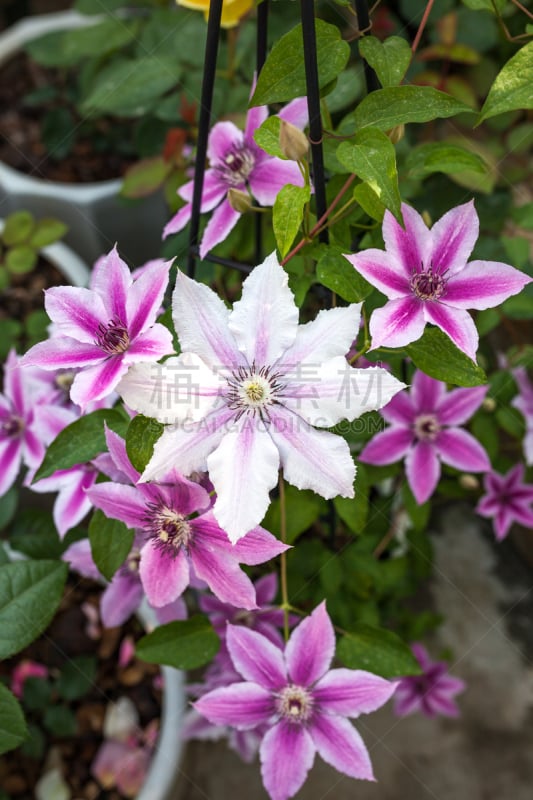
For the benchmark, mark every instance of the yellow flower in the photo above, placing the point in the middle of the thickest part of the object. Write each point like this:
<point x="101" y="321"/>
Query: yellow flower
<point x="232" y="10"/>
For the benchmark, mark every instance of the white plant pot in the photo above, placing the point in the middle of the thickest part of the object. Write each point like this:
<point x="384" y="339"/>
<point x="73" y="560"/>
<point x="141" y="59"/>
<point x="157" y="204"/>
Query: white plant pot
<point x="95" y="214"/>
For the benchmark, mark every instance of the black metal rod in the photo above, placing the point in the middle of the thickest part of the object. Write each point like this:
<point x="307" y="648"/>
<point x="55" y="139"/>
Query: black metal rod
<point x="261" y="54"/>
<point x="224" y="262"/>
<point x="313" y="105"/>
<point x="363" y="21"/>
<point x="206" y="102"/>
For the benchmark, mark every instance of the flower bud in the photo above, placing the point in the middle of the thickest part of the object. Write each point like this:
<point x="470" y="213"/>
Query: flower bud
<point x="239" y="201"/>
<point x="397" y="133"/>
<point x="469" y="482"/>
<point x="293" y="143"/>
<point x="489" y="404"/>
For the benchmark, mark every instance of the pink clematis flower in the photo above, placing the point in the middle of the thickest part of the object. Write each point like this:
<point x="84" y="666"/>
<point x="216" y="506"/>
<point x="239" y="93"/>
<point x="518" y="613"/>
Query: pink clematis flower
<point x="29" y="421"/>
<point x="302" y="702"/>
<point x="72" y="503"/>
<point x="432" y="692"/>
<point x="524" y="403"/>
<point x="425" y="430"/>
<point x="181" y="533"/>
<point x="248" y="390"/>
<point x="508" y="499"/>
<point x="104" y="329"/>
<point x="426" y="277"/>
<point x="236" y="162"/>
<point x="22" y="671"/>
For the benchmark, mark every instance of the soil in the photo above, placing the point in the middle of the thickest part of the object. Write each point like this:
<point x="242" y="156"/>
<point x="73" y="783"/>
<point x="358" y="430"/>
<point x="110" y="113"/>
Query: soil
<point x="21" y="144"/>
<point x="25" y="293"/>
<point x="65" y="638"/>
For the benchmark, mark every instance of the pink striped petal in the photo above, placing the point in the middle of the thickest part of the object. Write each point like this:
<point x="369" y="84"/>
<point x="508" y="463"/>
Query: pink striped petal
<point x="398" y="323"/>
<point x="220" y="571"/>
<point x="312" y="459"/>
<point x="484" y="284"/>
<point x="257" y="547"/>
<point x="213" y="190"/>
<point x="223" y="138"/>
<point x="456" y="323"/>
<point x="453" y="237"/>
<point x="388" y="446"/>
<point x="287" y="753"/>
<point x="77" y="312"/>
<point x="381" y="271"/>
<point x="164" y="577"/>
<point x="72" y="503"/>
<point x="222" y="222"/>
<point x="14" y="387"/>
<point x="119" y="501"/>
<point x="426" y="393"/>
<point x="150" y="345"/>
<point x="62" y="352"/>
<point x="98" y="381"/>
<point x="296" y="112"/>
<point x="241" y="705"/>
<point x="457" y="406"/>
<point x="178" y="221"/>
<point x="423" y="470"/>
<point x="352" y="692"/>
<point x="145" y="297"/>
<point x="330" y="334"/>
<point x="120" y="599"/>
<point x="256" y="658"/>
<point x="112" y="280"/>
<point x="10" y="461"/>
<point x="117" y="449"/>
<point x="409" y="247"/>
<point x="340" y="745"/>
<point x="311" y="648"/>
<point x="400" y="409"/>
<point x="254" y="119"/>
<point x="268" y="177"/>
<point x="264" y="322"/>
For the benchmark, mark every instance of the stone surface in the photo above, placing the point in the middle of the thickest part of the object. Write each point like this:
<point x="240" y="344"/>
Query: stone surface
<point x="486" y="593"/>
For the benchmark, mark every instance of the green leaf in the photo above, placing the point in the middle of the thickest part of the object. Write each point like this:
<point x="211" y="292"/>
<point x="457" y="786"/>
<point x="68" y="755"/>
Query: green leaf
<point x="377" y="650"/>
<point x="49" y="50"/>
<point x="389" y="59"/>
<point x="303" y="508"/>
<point x="47" y="231"/>
<point x="30" y="592"/>
<point x="77" y="677"/>
<point x="386" y="108"/>
<point x="283" y="75"/>
<point x="287" y="214"/>
<point x="186" y="644"/>
<point x="418" y="513"/>
<point x="18" y="228"/>
<point x="101" y="39"/>
<point x="58" y="131"/>
<point x="267" y="136"/>
<point x="512" y="87"/>
<point x="81" y="441"/>
<point x="141" y="437"/>
<point x="8" y="506"/>
<point x="37" y="693"/>
<point x="12" y="724"/>
<point x="336" y="273"/>
<point x="60" y="721"/>
<point x="369" y="201"/>
<point x="436" y="355"/>
<point x="371" y="156"/>
<point x="145" y="177"/>
<point x="21" y="259"/>
<point x="354" y="510"/>
<point x="111" y="541"/>
<point x="34" y="533"/>
<point x="131" y="88"/>
<point x="442" y="157"/>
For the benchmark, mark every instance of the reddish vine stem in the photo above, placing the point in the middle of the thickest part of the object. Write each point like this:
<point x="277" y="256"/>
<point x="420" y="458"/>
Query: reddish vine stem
<point x="315" y="229"/>
<point x="422" y="25"/>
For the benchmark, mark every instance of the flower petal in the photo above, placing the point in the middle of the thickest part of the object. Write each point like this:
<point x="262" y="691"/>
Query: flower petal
<point x="423" y="470"/>
<point x="150" y="345"/>
<point x="340" y="745"/>
<point x="330" y="334"/>
<point x="381" y="271"/>
<point x="400" y="410"/>
<point x="456" y="323"/>
<point x="220" y="570"/>
<point x="256" y="658"/>
<point x="265" y="320"/>
<point x="178" y="221"/>
<point x="311" y="648"/>
<point x="388" y="446"/>
<point x="457" y="406"/>
<point x="10" y="461"/>
<point x="271" y="175"/>
<point x="72" y="501"/>
<point x="164" y="577"/>
<point x="96" y="382"/>
<point x="183" y="388"/>
<point x="121" y="599"/>
<point x="145" y="297"/>
<point x="257" y="547"/>
<point x="77" y="311"/>
<point x="453" y="238"/>
<point x="213" y="190"/>
<point x="201" y="322"/>
<point x="287" y="754"/>
<point x="312" y="459"/>
<point x="352" y="692"/>
<point x="296" y="112"/>
<point x="254" y="119"/>
<point x="426" y="393"/>
<point x="112" y="280"/>
<point x="241" y="705"/>
<point x="410" y="247"/>
<point x="121" y="502"/>
<point x="461" y="450"/>
<point x="117" y="449"/>
<point x="222" y="222"/>
<point x="398" y="323"/>
<point x="62" y="352"/>
<point x="484" y="284"/>
<point x="224" y="137"/>
<point x="245" y="464"/>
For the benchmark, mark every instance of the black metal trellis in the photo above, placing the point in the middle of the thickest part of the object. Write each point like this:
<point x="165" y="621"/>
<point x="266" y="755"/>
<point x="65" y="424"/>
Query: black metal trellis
<point x="315" y="119"/>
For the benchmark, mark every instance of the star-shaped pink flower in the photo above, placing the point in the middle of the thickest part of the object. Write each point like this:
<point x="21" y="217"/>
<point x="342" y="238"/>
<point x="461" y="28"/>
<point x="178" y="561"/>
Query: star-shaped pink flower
<point x="508" y="499"/>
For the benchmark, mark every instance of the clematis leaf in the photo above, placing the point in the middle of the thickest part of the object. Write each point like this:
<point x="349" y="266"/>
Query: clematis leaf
<point x="12" y="725"/>
<point x="389" y="59"/>
<point x="30" y="592"/>
<point x="111" y="541"/>
<point x="371" y="156"/>
<point x="443" y="157"/>
<point x="436" y="355"/>
<point x="186" y="644"/>
<point x="81" y="441"/>
<point x="283" y="75"/>
<point x="141" y="437"/>
<point x="336" y="273"/>
<point x="267" y="136"/>
<point x="377" y="650"/>
<point x="512" y="87"/>
<point x="288" y="214"/>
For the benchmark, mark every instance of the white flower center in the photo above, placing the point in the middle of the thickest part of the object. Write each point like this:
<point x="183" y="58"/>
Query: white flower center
<point x="237" y="166"/>
<point x="168" y="528"/>
<point x="113" y="338"/>
<point x="427" y="427"/>
<point x="428" y="284"/>
<point x="252" y="390"/>
<point x="294" y="703"/>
